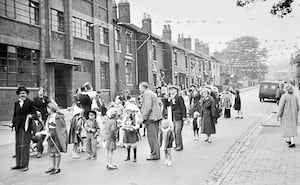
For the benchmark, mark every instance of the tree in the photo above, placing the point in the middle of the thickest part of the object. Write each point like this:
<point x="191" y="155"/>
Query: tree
<point x="243" y="58"/>
<point x="281" y="8"/>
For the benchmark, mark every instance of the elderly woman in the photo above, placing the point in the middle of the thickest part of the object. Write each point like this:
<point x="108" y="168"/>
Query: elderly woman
<point x="288" y="114"/>
<point x="56" y="135"/>
<point x="208" y="115"/>
<point x="23" y="112"/>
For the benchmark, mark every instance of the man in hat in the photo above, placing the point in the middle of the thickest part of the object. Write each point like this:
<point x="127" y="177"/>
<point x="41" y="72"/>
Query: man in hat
<point x="151" y="115"/>
<point x="178" y="115"/>
<point x="23" y="111"/>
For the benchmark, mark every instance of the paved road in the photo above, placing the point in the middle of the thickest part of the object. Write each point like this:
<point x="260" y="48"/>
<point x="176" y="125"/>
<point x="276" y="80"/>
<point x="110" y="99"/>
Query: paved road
<point x="190" y="166"/>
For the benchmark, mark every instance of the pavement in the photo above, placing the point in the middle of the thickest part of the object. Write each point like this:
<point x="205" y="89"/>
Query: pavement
<point x="259" y="157"/>
<point x="199" y="162"/>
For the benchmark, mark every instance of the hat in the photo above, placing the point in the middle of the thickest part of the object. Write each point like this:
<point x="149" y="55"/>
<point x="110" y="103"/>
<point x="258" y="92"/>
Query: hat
<point x="22" y="89"/>
<point x="204" y="90"/>
<point x="173" y="87"/>
<point x="131" y="107"/>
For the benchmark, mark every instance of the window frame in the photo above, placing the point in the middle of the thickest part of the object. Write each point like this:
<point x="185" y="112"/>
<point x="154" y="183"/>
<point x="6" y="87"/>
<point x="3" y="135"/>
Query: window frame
<point x="104" y="36"/>
<point x="129" y="42"/>
<point x="154" y="52"/>
<point x="59" y="20"/>
<point x="129" y="74"/>
<point x="118" y="46"/>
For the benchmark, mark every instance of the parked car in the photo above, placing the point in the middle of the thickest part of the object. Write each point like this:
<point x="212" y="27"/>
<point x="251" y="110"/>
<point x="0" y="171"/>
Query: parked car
<point x="267" y="90"/>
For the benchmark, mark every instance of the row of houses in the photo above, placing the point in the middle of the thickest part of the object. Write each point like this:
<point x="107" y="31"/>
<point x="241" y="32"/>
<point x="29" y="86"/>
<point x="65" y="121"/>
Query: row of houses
<point x="61" y="44"/>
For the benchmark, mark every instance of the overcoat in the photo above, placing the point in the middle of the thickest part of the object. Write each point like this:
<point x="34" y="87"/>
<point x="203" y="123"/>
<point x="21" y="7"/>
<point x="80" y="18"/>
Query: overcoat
<point x="208" y="114"/>
<point x="288" y="112"/>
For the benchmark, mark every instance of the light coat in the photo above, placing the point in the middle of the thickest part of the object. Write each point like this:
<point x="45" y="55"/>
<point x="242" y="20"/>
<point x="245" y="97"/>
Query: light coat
<point x="288" y="112"/>
<point x="150" y="108"/>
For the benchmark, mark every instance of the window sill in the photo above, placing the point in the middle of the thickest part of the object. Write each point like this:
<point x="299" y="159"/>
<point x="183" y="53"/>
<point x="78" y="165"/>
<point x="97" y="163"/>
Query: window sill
<point x="130" y="85"/>
<point x="101" y="44"/>
<point x="92" y="41"/>
<point x="15" y="88"/>
<point x="16" y="20"/>
<point x="60" y="32"/>
<point x="118" y="51"/>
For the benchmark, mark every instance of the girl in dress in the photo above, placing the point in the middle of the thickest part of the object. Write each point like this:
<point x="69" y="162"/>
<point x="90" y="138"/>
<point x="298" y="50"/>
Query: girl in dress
<point x="110" y="136"/>
<point x="196" y="124"/>
<point x="56" y="136"/>
<point x="166" y="139"/>
<point x="130" y="125"/>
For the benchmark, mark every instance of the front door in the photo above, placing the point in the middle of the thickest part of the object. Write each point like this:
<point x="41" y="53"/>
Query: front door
<point x="61" y="87"/>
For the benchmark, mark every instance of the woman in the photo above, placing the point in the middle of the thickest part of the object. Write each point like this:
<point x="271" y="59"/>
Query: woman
<point x="237" y="105"/>
<point x="23" y="112"/>
<point x="227" y="103"/>
<point x="208" y="115"/>
<point x="56" y="132"/>
<point x="40" y="103"/>
<point x="288" y="115"/>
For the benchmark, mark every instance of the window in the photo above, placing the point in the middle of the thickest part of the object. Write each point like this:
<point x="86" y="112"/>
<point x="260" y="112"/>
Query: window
<point x="117" y="39"/>
<point x="104" y="36"/>
<point x="34" y="12"/>
<point x="193" y="80"/>
<point x="129" y="72"/>
<point x="128" y="43"/>
<point x="176" y="80"/>
<point x="82" y="29"/>
<point x="22" y="10"/>
<point x="18" y="66"/>
<point x="104" y="75"/>
<point x="186" y="62"/>
<point x="175" y="59"/>
<point x="57" y="20"/>
<point x="153" y="52"/>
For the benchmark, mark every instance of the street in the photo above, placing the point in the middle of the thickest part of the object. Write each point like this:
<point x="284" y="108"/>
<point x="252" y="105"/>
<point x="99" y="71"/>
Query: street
<point x="190" y="166"/>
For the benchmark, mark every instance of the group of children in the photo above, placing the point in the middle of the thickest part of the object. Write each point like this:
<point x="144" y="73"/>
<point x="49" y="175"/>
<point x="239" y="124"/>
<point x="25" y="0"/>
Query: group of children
<point x="119" y="126"/>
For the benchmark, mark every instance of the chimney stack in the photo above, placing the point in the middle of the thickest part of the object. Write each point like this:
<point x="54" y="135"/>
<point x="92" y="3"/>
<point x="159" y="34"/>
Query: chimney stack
<point x="147" y="24"/>
<point x="124" y="11"/>
<point x="180" y="40"/>
<point x="188" y="43"/>
<point x="167" y="33"/>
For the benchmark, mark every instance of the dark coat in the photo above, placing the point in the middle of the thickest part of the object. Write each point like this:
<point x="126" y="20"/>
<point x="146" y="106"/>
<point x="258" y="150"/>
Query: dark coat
<point x="169" y="140"/>
<point x="209" y="116"/>
<point x="40" y="105"/>
<point x="20" y="114"/>
<point x="85" y="102"/>
<point x="178" y="108"/>
<point x="237" y="103"/>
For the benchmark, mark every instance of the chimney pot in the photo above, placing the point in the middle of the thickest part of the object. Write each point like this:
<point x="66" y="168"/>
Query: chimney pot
<point x="124" y="11"/>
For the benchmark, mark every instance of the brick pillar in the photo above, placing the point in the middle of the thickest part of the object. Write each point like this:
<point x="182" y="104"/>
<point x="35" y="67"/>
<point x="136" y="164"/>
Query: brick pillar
<point x="96" y="73"/>
<point x="42" y="74"/>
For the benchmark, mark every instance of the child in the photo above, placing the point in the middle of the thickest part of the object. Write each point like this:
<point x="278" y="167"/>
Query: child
<point x="130" y="125"/>
<point x="37" y="133"/>
<point x="196" y="124"/>
<point x="166" y="139"/>
<point x="92" y="128"/>
<point x="237" y="105"/>
<point x="76" y="126"/>
<point x="110" y="136"/>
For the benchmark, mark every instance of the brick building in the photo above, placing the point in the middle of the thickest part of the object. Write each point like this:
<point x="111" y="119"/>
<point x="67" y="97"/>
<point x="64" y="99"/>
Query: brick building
<point x="57" y="44"/>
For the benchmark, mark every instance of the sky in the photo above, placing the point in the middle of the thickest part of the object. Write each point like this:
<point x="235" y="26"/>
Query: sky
<point x="219" y="21"/>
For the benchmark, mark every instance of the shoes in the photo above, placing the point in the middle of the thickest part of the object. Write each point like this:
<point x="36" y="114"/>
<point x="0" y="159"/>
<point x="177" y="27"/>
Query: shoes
<point x="178" y="148"/>
<point x="134" y="160"/>
<point x="16" y="167"/>
<point x="288" y="142"/>
<point x="93" y="158"/>
<point x="56" y="171"/>
<point x="152" y="159"/>
<point x="25" y="169"/>
<point x="166" y="162"/>
<point x="169" y="163"/>
<point x="14" y="156"/>
<point x="206" y="140"/>
<point x="111" y="167"/>
<point x="237" y="117"/>
<point x="292" y="145"/>
<point x="75" y="156"/>
<point x="39" y="155"/>
<point x="241" y="117"/>
<point x="50" y="170"/>
<point x="127" y="159"/>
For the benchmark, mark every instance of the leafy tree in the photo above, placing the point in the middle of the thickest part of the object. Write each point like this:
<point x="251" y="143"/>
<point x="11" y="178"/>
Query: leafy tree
<point x="281" y="8"/>
<point x="243" y="57"/>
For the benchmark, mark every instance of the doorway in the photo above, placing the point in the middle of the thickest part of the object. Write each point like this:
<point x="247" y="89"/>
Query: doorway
<point x="62" y="84"/>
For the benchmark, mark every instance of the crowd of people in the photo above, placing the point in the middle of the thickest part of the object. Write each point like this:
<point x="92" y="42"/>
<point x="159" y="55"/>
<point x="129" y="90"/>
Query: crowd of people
<point x="159" y="114"/>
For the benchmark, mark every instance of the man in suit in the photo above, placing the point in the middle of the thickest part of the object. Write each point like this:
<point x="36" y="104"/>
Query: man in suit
<point x="178" y="115"/>
<point x="151" y="115"/>
<point x="23" y="112"/>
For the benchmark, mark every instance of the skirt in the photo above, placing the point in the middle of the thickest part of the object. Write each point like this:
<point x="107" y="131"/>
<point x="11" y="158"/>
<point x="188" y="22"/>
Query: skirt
<point x="227" y="113"/>
<point x="52" y="147"/>
<point x="110" y="145"/>
<point x="130" y="137"/>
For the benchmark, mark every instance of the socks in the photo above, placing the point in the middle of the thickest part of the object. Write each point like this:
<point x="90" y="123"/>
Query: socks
<point x="134" y="153"/>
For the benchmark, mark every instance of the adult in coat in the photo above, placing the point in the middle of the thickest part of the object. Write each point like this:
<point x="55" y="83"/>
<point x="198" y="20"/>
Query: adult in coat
<point x="23" y="112"/>
<point x="195" y="100"/>
<point x="208" y="115"/>
<point x="151" y="115"/>
<point x="85" y="102"/>
<point x="178" y="115"/>
<point x="40" y="103"/>
<point x="288" y="114"/>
